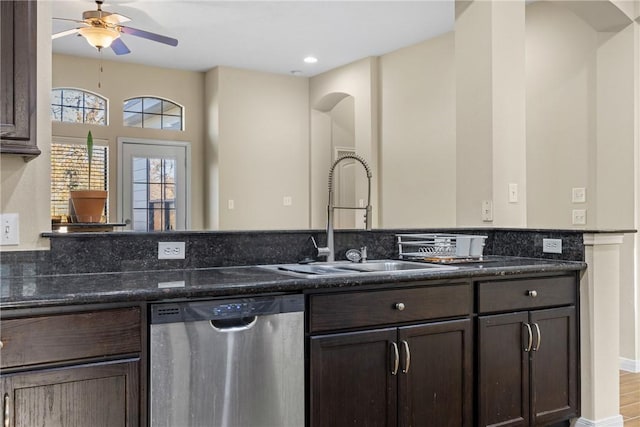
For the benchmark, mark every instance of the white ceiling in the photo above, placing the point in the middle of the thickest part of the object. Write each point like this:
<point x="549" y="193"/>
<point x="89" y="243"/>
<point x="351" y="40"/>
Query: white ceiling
<point x="272" y="36"/>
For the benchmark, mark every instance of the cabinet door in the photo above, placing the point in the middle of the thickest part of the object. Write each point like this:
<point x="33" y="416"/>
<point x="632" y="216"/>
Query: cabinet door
<point x="97" y="395"/>
<point x="503" y="370"/>
<point x="435" y="379"/>
<point x="351" y="379"/>
<point x="18" y="77"/>
<point x="554" y="365"/>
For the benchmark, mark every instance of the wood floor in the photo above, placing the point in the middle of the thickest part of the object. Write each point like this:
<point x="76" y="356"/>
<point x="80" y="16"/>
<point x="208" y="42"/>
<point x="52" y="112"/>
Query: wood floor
<point x="630" y="398"/>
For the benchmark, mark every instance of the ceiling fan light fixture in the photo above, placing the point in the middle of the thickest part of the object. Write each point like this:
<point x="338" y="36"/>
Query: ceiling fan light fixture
<point x="99" y="37"/>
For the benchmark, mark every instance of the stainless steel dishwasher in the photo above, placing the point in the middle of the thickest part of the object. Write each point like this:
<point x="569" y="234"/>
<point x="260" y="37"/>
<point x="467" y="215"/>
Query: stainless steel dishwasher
<point x="228" y="363"/>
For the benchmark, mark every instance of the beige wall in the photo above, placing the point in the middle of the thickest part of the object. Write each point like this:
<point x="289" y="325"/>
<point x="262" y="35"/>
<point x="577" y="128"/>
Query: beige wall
<point x="120" y="81"/>
<point x="418" y="135"/>
<point x="615" y="129"/>
<point x="474" y="155"/>
<point x="561" y="75"/>
<point x="24" y="187"/>
<point x="580" y="120"/>
<point x="358" y="79"/>
<point x="258" y="136"/>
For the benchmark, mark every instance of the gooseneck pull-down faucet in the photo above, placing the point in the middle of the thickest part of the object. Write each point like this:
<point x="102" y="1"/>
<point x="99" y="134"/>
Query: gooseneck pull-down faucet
<point x="329" y="251"/>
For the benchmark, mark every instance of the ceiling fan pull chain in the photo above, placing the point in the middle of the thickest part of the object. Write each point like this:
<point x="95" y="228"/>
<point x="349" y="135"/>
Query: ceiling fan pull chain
<point x="100" y="70"/>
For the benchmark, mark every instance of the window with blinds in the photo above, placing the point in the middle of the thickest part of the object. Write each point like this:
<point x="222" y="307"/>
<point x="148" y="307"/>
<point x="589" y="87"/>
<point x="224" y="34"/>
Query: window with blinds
<point x="70" y="171"/>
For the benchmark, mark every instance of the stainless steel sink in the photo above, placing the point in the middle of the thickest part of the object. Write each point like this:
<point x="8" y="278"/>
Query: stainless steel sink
<point x="390" y="265"/>
<point x="316" y="269"/>
<point x="346" y="268"/>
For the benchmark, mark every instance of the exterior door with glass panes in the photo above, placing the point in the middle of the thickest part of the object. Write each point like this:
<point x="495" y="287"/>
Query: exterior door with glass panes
<point x="153" y="184"/>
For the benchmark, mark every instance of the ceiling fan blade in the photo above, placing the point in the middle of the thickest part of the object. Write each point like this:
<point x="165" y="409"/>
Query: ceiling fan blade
<point x="114" y="18"/>
<point x="147" y="35"/>
<point x="119" y="47"/>
<point x="72" y="20"/>
<point x="64" y="33"/>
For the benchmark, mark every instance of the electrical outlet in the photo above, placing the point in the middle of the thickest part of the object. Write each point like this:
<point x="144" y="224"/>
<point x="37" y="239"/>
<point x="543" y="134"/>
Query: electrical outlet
<point x="9" y="229"/>
<point x="579" y="195"/>
<point x="287" y="201"/>
<point x="171" y="250"/>
<point x="231" y="204"/>
<point x="552" y="246"/>
<point x="579" y="217"/>
<point x="487" y="211"/>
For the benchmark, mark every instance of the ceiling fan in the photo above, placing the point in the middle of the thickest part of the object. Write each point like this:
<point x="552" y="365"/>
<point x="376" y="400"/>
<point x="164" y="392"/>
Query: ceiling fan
<point x="102" y="29"/>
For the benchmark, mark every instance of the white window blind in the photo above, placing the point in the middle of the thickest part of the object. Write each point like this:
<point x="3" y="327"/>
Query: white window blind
<point x="70" y="171"/>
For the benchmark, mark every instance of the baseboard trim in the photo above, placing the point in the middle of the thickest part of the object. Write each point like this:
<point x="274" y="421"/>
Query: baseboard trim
<point x="615" y="421"/>
<point x="630" y="365"/>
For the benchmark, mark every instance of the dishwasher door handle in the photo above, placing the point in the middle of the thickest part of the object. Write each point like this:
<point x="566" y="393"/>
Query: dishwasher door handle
<point x="234" y="325"/>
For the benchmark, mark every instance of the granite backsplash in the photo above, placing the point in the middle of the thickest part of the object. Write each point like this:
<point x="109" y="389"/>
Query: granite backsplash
<point x="115" y="252"/>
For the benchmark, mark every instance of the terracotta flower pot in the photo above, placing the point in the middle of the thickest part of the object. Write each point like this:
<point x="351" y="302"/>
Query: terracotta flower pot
<point x="88" y="205"/>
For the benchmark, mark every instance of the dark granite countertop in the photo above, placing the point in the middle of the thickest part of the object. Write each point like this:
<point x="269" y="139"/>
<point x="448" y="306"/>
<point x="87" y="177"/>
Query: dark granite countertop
<point x="163" y="285"/>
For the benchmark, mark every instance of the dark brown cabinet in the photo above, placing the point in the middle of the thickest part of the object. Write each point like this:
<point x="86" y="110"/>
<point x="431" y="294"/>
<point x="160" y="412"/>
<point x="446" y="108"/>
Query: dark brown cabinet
<point x="351" y="380"/>
<point x="438" y="384"/>
<point x="410" y="375"/>
<point x="98" y="395"/>
<point x="74" y="369"/>
<point x="528" y="368"/>
<point x="18" y="55"/>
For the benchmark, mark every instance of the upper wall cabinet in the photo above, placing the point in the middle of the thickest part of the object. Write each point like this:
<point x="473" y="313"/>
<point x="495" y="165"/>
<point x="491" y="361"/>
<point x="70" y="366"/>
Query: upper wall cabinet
<point x="18" y="55"/>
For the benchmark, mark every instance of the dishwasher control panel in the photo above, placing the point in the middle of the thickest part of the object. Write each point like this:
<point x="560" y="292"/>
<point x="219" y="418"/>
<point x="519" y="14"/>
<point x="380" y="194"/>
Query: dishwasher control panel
<point x="225" y="309"/>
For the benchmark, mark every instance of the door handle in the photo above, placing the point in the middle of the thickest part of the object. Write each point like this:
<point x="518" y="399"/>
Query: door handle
<point x="407" y="357"/>
<point x="396" y="359"/>
<point x="529" y="338"/>
<point x="234" y="325"/>
<point x="539" y="336"/>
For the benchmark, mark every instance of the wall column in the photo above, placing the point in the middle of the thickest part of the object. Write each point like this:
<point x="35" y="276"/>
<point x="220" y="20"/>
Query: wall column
<point x="490" y="111"/>
<point x="600" y="331"/>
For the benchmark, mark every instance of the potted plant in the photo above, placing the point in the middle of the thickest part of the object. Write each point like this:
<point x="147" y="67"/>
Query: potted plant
<point x="88" y="205"/>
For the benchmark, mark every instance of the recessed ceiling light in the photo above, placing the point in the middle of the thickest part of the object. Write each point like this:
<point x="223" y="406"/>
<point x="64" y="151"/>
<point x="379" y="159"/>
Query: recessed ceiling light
<point x="310" y="59"/>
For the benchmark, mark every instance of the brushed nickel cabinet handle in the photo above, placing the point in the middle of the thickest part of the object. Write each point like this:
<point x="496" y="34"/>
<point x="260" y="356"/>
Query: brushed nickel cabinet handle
<point x="396" y="359"/>
<point x="537" y="346"/>
<point x="407" y="357"/>
<point x="399" y="306"/>
<point x="529" y="338"/>
<point x="1" y="345"/>
<point x="6" y="412"/>
<point x="532" y="293"/>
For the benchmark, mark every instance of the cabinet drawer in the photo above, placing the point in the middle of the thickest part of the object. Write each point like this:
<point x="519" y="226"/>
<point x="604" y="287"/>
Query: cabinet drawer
<point x="506" y="295"/>
<point x="57" y="338"/>
<point x="371" y="308"/>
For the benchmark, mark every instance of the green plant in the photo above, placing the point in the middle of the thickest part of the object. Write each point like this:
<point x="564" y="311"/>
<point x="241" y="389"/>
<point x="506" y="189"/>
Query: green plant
<point x="89" y="155"/>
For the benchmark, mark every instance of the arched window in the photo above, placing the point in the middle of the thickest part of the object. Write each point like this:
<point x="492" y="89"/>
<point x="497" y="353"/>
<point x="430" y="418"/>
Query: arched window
<point x="78" y="106"/>
<point x="153" y="113"/>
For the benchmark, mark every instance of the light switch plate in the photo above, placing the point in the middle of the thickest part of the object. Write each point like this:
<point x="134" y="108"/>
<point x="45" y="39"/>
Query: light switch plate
<point x="487" y="211"/>
<point x="513" y="193"/>
<point x="9" y="229"/>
